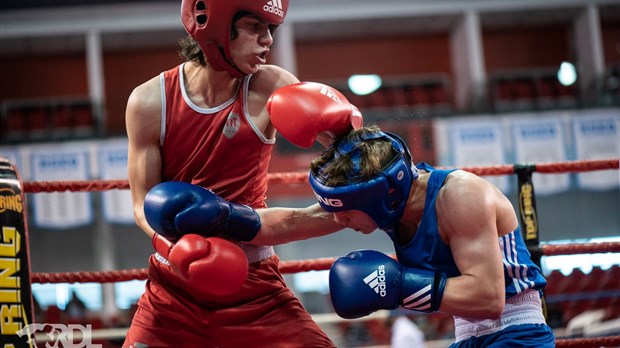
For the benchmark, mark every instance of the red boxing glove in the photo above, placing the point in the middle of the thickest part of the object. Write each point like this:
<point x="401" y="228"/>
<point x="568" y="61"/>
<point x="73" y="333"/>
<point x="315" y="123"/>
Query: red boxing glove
<point x="303" y="110"/>
<point x="209" y="265"/>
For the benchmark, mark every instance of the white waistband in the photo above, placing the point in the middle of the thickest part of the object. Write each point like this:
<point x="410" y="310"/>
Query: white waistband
<point x="524" y="308"/>
<point x="255" y="253"/>
<point x="162" y="259"/>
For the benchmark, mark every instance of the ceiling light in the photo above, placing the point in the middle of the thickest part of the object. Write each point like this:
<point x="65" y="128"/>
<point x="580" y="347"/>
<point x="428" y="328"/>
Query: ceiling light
<point x="567" y="75"/>
<point x="364" y="84"/>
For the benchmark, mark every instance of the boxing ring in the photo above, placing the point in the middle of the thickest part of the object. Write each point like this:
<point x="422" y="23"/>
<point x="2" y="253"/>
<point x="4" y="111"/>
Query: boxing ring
<point x="288" y="267"/>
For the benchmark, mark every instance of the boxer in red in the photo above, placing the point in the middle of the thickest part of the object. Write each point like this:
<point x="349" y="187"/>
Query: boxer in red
<point x="200" y="140"/>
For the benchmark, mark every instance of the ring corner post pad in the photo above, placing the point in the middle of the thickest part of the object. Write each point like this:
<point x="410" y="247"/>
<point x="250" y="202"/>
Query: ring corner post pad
<point x="528" y="216"/>
<point x="16" y="303"/>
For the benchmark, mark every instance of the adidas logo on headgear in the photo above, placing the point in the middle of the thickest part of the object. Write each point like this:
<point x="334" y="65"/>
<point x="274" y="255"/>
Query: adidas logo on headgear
<point x="376" y="281"/>
<point x="275" y="7"/>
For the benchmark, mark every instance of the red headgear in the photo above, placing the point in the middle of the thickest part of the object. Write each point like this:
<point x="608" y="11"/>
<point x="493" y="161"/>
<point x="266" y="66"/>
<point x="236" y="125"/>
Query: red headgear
<point x="209" y="22"/>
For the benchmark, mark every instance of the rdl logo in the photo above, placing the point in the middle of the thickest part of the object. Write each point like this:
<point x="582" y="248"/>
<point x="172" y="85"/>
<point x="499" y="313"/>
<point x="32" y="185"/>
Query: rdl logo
<point x="59" y="335"/>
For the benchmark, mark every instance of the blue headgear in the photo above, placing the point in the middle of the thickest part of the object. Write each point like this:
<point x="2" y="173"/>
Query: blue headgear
<point x="383" y="197"/>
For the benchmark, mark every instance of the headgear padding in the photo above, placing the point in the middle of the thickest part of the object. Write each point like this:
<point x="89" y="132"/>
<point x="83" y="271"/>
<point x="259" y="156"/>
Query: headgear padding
<point x="383" y="196"/>
<point x="209" y="22"/>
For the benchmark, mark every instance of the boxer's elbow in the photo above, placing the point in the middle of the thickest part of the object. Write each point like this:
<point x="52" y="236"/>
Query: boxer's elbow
<point x="495" y="308"/>
<point x="138" y="214"/>
<point x="488" y="308"/>
<point x="493" y="304"/>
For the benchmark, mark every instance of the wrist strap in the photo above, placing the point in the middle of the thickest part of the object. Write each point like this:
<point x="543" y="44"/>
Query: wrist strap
<point x="243" y="223"/>
<point x="161" y="245"/>
<point x="423" y="289"/>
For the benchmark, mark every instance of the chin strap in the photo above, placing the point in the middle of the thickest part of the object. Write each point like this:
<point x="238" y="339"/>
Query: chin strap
<point x="216" y="57"/>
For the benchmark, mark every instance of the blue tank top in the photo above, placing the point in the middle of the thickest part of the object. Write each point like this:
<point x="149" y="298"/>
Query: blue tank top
<point x="428" y="251"/>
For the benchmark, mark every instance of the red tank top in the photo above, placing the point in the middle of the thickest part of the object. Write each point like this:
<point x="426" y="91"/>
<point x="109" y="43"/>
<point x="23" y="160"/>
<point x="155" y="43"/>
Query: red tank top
<point x="219" y="148"/>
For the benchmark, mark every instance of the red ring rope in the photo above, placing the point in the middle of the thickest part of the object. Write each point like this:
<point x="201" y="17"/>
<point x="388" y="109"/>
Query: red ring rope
<point x="302" y="177"/>
<point x="580" y="248"/>
<point x="308" y="265"/>
<point x="609" y="341"/>
<point x="286" y="266"/>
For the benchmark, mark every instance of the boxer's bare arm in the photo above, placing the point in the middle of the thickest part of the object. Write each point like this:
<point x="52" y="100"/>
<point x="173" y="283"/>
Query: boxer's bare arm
<point x="467" y="219"/>
<point x="143" y="116"/>
<point x="283" y="225"/>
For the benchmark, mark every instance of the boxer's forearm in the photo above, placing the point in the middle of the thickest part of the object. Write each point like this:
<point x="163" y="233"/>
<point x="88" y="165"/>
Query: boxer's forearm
<point x="283" y="225"/>
<point x="463" y="293"/>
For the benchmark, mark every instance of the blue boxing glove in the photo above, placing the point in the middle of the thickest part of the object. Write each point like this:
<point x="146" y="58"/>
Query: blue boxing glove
<point x="365" y="281"/>
<point x="175" y="208"/>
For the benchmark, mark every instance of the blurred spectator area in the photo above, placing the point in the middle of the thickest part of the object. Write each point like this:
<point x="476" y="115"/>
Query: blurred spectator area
<point x="611" y="86"/>
<point x="48" y="119"/>
<point x="570" y="295"/>
<point x="531" y="89"/>
<point x="540" y="89"/>
<point x="428" y="95"/>
<point x="403" y="98"/>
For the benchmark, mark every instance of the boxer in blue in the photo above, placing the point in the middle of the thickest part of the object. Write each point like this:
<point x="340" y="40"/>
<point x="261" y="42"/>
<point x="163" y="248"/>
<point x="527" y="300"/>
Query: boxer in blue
<point x="457" y="241"/>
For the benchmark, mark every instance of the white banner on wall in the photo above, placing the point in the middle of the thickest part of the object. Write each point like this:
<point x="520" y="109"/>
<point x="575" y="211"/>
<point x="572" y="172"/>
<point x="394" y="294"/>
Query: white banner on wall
<point x="541" y="139"/>
<point x="597" y="136"/>
<point x="112" y="160"/>
<point x="479" y="142"/>
<point x="11" y="154"/>
<point x="61" y="162"/>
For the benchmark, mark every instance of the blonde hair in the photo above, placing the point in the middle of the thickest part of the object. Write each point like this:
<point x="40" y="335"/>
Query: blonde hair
<point x="337" y="169"/>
